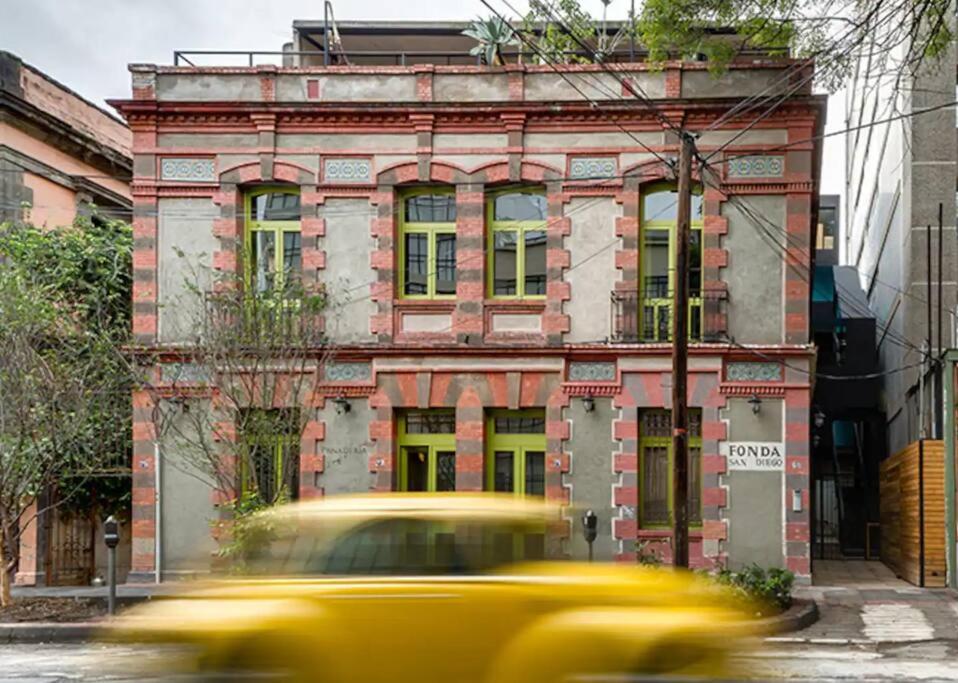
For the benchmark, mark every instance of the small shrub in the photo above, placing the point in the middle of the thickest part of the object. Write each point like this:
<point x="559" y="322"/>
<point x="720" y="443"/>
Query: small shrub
<point x="771" y="588"/>
<point x="646" y="555"/>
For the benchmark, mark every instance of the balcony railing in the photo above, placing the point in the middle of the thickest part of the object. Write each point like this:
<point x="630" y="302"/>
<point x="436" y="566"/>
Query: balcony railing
<point x="645" y="316"/>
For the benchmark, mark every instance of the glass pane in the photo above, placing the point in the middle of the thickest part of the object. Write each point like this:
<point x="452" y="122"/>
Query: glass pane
<point x="262" y="461"/>
<point x="535" y="262"/>
<point x="431" y="208"/>
<point x="535" y="473"/>
<point x="695" y="263"/>
<point x="417" y="468"/>
<point x="292" y="255"/>
<point x="648" y="322"/>
<point x="663" y="206"/>
<point x="505" y="246"/>
<point x="695" y="484"/>
<point x="656" y="423"/>
<point x="695" y="322"/>
<point x="503" y="471"/>
<point x="264" y="260"/>
<point x="655" y="263"/>
<point x="664" y="324"/>
<point x="520" y="424"/>
<point x="430" y="422"/>
<point x="655" y="483"/>
<point x="289" y="467"/>
<point x="446" y="471"/>
<point x="417" y="259"/>
<point x="445" y="264"/>
<point x="695" y="423"/>
<point x="520" y="206"/>
<point x="275" y="206"/>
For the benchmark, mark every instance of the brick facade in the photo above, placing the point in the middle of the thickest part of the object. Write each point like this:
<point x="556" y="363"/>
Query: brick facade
<point x="475" y="363"/>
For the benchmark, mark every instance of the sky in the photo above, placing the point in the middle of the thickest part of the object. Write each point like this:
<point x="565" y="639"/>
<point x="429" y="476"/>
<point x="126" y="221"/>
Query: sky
<point x="87" y="44"/>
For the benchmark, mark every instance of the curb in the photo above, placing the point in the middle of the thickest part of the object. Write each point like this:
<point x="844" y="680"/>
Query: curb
<point x="801" y="614"/>
<point x="48" y="632"/>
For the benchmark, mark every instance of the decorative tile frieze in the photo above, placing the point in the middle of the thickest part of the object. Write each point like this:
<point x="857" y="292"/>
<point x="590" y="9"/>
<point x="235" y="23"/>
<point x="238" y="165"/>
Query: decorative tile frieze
<point x="347" y="170"/>
<point x="348" y="372"/>
<point x="591" y="372"/>
<point x="756" y="167"/>
<point x="178" y="373"/>
<point x="187" y="170"/>
<point x="747" y="371"/>
<point x="588" y="168"/>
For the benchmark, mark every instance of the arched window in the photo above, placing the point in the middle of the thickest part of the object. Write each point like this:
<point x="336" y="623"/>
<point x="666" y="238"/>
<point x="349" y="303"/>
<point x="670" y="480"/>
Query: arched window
<point x="427" y="244"/>
<point x="517" y="244"/>
<point x="659" y="212"/>
<point x="273" y="238"/>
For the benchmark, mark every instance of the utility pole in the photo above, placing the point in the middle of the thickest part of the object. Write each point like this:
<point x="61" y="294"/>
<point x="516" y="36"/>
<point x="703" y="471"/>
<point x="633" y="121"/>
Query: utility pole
<point x="680" y="361"/>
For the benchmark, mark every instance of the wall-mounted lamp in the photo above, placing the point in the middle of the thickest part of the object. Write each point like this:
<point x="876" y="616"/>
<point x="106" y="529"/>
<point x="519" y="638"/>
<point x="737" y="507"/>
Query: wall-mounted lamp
<point x="756" y="403"/>
<point x="819" y="418"/>
<point x="342" y="405"/>
<point x="588" y="403"/>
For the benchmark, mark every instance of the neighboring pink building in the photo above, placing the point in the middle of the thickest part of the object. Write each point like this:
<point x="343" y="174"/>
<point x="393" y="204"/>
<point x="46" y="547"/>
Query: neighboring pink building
<point x="59" y="153"/>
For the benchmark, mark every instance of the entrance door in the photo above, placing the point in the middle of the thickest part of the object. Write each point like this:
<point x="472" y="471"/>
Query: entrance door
<point x="427" y="451"/>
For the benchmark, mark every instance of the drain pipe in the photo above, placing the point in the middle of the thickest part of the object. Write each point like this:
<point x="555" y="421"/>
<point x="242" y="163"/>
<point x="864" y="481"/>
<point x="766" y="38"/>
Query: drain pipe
<point x="157" y="513"/>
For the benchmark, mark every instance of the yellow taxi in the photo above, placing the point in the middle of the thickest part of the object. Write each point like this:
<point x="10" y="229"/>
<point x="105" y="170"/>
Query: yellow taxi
<point x="444" y="588"/>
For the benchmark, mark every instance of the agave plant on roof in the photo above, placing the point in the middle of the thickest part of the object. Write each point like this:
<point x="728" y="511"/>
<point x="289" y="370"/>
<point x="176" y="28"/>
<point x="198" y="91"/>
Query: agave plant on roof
<point x="492" y="34"/>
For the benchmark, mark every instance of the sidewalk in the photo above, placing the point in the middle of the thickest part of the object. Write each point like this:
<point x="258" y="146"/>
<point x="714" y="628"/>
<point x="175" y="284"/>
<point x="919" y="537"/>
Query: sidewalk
<point x="863" y="602"/>
<point x="127" y="591"/>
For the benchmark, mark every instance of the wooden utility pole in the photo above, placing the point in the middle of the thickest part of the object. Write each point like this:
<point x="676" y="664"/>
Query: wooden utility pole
<point x="680" y="352"/>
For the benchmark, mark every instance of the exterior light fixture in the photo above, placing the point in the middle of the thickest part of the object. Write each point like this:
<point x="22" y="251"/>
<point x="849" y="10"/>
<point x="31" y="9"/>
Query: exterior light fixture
<point x="342" y="405"/>
<point x="588" y="403"/>
<point x="756" y="403"/>
<point x="819" y="418"/>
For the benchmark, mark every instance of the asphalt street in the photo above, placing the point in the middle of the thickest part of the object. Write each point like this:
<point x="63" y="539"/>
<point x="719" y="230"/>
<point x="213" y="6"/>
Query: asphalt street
<point x="924" y="661"/>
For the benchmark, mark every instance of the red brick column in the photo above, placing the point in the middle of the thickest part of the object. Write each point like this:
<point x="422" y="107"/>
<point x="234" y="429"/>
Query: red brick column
<point x="311" y="459"/>
<point x="383" y="261"/>
<point x="555" y="322"/>
<point x="470" y="440"/>
<point x="714" y="317"/>
<point x="467" y="319"/>
<point x="797" y="478"/>
<point x="143" y="566"/>
<point x="382" y="432"/>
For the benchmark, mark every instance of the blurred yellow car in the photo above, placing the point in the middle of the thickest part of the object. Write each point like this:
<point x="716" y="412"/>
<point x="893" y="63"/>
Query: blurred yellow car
<point x="439" y="588"/>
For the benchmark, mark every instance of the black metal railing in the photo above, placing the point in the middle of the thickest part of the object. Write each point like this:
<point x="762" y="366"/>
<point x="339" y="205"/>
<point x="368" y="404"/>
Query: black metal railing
<point x="645" y="315"/>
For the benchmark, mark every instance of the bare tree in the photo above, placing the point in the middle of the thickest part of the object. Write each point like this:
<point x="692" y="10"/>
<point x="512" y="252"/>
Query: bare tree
<point x="233" y="409"/>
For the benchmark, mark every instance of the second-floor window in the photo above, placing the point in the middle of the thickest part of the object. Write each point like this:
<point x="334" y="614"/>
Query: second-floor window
<point x="657" y="265"/>
<point x="517" y="244"/>
<point x="273" y="237"/>
<point x="427" y="244"/>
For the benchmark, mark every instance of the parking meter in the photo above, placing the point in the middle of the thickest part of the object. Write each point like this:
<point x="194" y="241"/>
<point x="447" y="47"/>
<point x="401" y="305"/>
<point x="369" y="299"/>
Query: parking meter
<point x="111" y="536"/>
<point x="590" y="524"/>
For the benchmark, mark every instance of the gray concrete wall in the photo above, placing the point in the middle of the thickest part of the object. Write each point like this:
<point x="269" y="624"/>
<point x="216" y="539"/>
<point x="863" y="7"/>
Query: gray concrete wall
<point x="592" y="477"/>
<point x="186" y="506"/>
<point x="184" y="225"/>
<point x="754" y="273"/>
<point x="348" y="245"/>
<point x="346" y="449"/>
<point x="755" y="507"/>
<point x="593" y="227"/>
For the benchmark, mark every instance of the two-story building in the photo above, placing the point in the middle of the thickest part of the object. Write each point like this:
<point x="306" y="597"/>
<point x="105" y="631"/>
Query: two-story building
<point x="497" y="244"/>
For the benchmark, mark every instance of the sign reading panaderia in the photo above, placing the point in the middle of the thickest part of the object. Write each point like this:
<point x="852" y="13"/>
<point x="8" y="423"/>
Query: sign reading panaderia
<point x="761" y="456"/>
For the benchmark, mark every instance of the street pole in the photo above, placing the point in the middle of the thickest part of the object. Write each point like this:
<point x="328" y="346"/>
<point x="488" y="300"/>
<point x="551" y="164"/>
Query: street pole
<point x="680" y="351"/>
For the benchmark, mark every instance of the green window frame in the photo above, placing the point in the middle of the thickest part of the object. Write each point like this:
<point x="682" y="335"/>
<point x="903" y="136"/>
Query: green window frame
<point x="427" y="246"/>
<point x="656" y="466"/>
<point x="657" y="263"/>
<point x="517" y="234"/>
<point x="516" y="452"/>
<point x="426" y="442"/>
<point x="273" y="237"/>
<point x="269" y="463"/>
